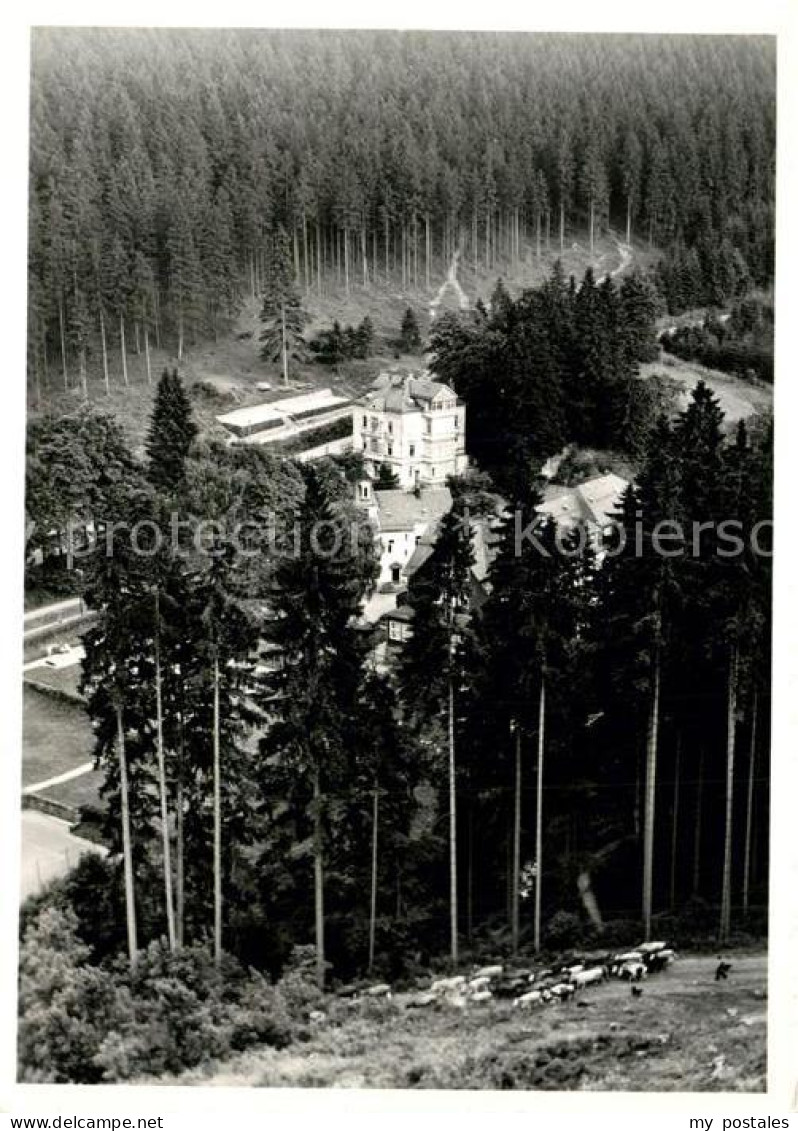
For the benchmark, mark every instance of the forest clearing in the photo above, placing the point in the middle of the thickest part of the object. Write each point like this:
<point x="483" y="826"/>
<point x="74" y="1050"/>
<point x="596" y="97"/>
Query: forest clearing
<point x="232" y="363"/>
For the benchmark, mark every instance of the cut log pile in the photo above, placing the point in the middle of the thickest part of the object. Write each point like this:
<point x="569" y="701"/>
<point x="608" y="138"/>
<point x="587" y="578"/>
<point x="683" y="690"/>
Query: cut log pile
<point x="528" y="987"/>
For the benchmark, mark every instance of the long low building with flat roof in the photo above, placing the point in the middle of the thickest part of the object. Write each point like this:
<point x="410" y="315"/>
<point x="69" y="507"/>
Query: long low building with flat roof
<point x="272" y="420"/>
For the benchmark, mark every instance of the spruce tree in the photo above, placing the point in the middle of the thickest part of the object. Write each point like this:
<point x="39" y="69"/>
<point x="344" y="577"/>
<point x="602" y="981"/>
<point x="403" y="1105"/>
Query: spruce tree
<point x="409" y="334"/>
<point x="317" y="591"/>
<point x="432" y="664"/>
<point x="284" y="320"/>
<point x="523" y="646"/>
<point x="641" y="591"/>
<point x="171" y="433"/>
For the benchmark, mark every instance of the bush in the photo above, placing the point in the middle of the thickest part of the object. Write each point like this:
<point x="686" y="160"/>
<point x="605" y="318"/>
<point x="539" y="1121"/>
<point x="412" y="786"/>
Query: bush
<point x="564" y="930"/>
<point x="298" y="985"/>
<point x="89" y="1024"/>
<point x="207" y="391"/>
<point x="619" y="933"/>
<point x="65" y="1005"/>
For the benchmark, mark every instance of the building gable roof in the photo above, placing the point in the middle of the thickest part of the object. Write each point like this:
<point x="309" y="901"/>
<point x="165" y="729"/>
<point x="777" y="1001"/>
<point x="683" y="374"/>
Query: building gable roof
<point x="400" y="392"/>
<point x="404" y="510"/>
<point x="593" y="502"/>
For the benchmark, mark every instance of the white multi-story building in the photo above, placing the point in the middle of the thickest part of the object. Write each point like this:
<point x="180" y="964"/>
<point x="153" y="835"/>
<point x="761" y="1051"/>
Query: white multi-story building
<point x="414" y="425"/>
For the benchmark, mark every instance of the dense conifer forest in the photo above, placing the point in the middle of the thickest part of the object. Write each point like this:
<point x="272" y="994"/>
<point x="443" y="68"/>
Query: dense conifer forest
<point x="570" y="749"/>
<point x="163" y="163"/>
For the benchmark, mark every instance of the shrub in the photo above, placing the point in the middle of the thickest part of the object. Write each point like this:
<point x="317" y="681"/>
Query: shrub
<point x="564" y="930"/>
<point x="297" y="985"/>
<point x="620" y="933"/>
<point x="65" y="1005"/>
<point x="207" y="391"/>
<point x="88" y="1024"/>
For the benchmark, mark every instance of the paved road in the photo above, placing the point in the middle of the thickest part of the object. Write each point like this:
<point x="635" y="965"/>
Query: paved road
<point x="59" y="610"/>
<point x="49" y="850"/>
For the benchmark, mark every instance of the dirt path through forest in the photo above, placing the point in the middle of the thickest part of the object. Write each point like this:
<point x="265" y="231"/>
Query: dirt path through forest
<point x="451" y="281"/>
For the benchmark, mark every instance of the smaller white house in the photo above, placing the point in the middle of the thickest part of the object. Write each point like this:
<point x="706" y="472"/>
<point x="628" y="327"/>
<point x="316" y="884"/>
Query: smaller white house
<point x="401" y="519"/>
<point x="592" y="503"/>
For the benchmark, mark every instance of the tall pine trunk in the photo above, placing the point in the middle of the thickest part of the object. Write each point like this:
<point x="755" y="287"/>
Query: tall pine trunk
<point x="375" y="820"/>
<point x="731" y="711"/>
<point x="516" y="882"/>
<point x="427" y="248"/>
<point x="62" y="334"/>
<point x="562" y="228"/>
<point x="699" y="811"/>
<point x="105" y="354"/>
<point x="452" y="823"/>
<point x="147" y="353"/>
<point x="122" y="347"/>
<point x="346" y="259"/>
<point x="675" y="820"/>
<point x="165" y="834"/>
<point x="217" y="820"/>
<point x="319" y="255"/>
<point x="284" y="338"/>
<point x="470" y="870"/>
<point x="629" y="219"/>
<point x="650" y="802"/>
<point x="749" y="807"/>
<point x="84" y="378"/>
<point x="387" y="249"/>
<point x="318" y="878"/>
<point x="127" y="843"/>
<point x="180" y="874"/>
<point x="155" y="317"/>
<point x="539" y="810"/>
<point x="592" y="226"/>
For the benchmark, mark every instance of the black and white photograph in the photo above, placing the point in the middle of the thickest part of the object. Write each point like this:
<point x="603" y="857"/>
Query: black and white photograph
<point x="398" y="555"/>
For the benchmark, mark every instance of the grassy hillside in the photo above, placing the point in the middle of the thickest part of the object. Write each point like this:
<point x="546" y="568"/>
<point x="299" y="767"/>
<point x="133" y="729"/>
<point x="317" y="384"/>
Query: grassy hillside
<point x="685" y="1033"/>
<point x="232" y="366"/>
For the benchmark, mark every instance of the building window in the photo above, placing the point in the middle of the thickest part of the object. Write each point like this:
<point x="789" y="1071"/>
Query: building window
<point x="390" y="545"/>
<point x="390" y="449"/>
<point x="429" y="427"/>
<point x="412" y="449"/>
<point x="396" y="574"/>
<point x="390" y="426"/>
<point x="432" y="471"/>
<point x="365" y="421"/>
